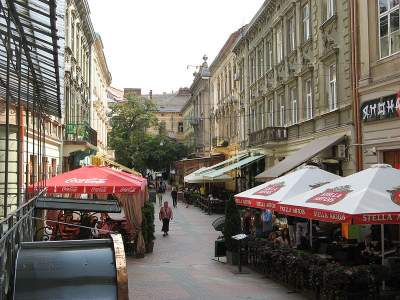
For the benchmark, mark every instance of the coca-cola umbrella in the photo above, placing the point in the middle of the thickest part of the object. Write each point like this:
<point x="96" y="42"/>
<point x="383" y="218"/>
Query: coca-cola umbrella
<point x="270" y="193"/>
<point x="93" y="180"/>
<point x="371" y="196"/>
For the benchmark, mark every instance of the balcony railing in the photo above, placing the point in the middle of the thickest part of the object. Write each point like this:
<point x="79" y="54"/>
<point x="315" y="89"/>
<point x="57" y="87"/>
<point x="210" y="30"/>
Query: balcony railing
<point x="268" y="135"/>
<point x="81" y="133"/>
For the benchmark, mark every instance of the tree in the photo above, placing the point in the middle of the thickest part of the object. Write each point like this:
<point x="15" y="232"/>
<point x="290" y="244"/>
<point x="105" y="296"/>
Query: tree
<point x="129" y="122"/>
<point x="134" y="146"/>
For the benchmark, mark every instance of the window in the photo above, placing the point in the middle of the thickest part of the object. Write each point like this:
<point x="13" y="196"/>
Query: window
<point x="281" y="111"/>
<point x="269" y="55"/>
<point x="260" y="60"/>
<point x="252" y="68"/>
<point x="279" y="45"/>
<point x="389" y="33"/>
<point x="332" y="98"/>
<point x="328" y="8"/>
<point x="291" y="34"/>
<point x="180" y="127"/>
<point x="309" y="100"/>
<point x="254" y="123"/>
<point x="260" y="116"/>
<point x="271" y="113"/>
<point x="306" y="22"/>
<point x="294" y="107"/>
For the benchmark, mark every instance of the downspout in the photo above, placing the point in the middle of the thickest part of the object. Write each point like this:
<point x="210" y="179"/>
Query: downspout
<point x="355" y="94"/>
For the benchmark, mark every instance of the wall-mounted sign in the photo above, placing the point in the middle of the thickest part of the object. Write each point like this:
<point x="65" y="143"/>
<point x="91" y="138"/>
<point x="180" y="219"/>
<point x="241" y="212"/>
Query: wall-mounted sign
<point x="382" y="108"/>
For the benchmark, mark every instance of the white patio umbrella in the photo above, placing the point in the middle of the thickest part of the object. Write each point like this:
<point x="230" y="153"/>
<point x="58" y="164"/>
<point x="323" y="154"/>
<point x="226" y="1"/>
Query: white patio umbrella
<point x="371" y="196"/>
<point x="267" y="195"/>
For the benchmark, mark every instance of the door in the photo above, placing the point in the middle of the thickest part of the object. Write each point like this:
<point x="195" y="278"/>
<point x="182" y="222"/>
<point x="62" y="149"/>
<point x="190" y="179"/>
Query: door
<point x="392" y="158"/>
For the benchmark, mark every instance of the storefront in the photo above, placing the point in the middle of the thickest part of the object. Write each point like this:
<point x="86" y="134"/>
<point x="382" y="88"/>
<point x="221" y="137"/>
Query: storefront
<point x="380" y="121"/>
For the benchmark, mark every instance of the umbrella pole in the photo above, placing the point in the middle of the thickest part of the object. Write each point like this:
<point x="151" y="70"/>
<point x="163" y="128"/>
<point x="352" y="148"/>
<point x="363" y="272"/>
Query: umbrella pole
<point x="383" y="249"/>
<point x="311" y="234"/>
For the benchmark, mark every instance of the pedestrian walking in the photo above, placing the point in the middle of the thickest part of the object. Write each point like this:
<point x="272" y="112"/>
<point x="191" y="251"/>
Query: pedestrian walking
<point x="160" y="193"/>
<point x="165" y="216"/>
<point x="174" y="195"/>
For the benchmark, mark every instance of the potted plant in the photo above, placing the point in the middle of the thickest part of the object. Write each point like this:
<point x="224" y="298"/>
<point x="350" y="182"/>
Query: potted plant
<point x="232" y="227"/>
<point x="148" y="226"/>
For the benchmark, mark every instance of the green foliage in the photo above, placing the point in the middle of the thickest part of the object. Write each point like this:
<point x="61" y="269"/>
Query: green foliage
<point x="232" y="224"/>
<point x="134" y="146"/>
<point x="148" y="222"/>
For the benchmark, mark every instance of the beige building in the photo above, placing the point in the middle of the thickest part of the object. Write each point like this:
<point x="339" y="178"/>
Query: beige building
<point x="288" y="60"/>
<point x="379" y="80"/>
<point x="100" y="82"/>
<point x="169" y="112"/>
<point x="224" y="96"/>
<point x="188" y="124"/>
<point x="80" y="138"/>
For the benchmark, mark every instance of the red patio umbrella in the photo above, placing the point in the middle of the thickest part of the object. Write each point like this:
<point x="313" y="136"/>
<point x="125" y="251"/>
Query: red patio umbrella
<point x="94" y="180"/>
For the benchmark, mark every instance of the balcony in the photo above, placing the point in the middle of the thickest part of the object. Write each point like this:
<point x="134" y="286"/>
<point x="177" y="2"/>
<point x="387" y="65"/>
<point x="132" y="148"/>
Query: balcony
<point x="79" y="133"/>
<point x="268" y="135"/>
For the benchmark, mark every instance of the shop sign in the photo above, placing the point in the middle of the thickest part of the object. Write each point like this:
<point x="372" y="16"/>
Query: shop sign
<point x="331" y="196"/>
<point x="270" y="189"/>
<point x="381" y="108"/>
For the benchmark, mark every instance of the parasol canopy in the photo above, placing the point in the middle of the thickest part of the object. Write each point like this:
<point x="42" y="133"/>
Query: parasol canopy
<point x="267" y="195"/>
<point x="371" y="196"/>
<point x="94" y="180"/>
<point x="199" y="177"/>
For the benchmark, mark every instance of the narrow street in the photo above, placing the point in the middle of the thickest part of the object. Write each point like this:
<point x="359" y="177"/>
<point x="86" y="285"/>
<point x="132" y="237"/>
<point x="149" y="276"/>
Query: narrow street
<point x="181" y="266"/>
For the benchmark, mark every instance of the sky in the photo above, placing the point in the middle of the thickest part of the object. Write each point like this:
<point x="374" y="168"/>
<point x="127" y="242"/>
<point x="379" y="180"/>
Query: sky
<point x="149" y="43"/>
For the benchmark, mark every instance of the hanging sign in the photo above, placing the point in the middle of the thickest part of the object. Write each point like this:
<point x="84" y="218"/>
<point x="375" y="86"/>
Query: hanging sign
<point x="381" y="108"/>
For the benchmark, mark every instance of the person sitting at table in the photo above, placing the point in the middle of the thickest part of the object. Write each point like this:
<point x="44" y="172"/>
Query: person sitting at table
<point x="284" y="238"/>
<point x="68" y="231"/>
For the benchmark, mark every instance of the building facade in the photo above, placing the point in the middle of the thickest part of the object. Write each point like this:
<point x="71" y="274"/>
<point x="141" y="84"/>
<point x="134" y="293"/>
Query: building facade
<point x="80" y="139"/>
<point x="379" y="80"/>
<point x="188" y="128"/>
<point x="288" y="60"/>
<point x="169" y="112"/>
<point x="203" y="116"/>
<point x="224" y="96"/>
<point x="100" y="78"/>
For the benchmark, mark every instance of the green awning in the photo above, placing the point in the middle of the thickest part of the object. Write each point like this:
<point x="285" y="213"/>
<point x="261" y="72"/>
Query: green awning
<point x="244" y="162"/>
<point x="89" y="205"/>
<point x="221" y="164"/>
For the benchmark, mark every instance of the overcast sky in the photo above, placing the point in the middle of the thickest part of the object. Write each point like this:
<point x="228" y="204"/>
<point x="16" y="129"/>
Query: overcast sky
<point x="149" y="43"/>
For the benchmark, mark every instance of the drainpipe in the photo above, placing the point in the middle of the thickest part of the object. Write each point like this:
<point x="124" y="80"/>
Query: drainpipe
<point x="355" y="94"/>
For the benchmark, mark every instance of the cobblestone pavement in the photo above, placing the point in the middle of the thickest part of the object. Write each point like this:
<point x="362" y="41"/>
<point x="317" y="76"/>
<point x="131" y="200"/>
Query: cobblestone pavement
<point x="182" y="266"/>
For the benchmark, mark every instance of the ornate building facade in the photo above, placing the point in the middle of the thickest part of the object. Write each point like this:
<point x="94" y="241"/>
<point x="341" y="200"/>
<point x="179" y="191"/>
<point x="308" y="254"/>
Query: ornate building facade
<point x="100" y="78"/>
<point x="80" y="139"/>
<point x="289" y="59"/>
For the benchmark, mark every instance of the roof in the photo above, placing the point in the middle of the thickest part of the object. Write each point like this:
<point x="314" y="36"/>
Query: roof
<point x="33" y="68"/>
<point x="227" y="47"/>
<point x="169" y="102"/>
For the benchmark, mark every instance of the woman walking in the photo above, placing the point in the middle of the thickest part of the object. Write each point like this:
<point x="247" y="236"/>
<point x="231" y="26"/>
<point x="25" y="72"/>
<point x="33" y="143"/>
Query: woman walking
<point x="165" y="216"/>
<point x="160" y="192"/>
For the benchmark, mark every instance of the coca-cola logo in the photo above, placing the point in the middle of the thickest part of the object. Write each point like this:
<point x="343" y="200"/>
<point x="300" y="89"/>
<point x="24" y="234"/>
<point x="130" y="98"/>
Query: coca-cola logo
<point x="98" y="189"/>
<point x="87" y="180"/>
<point x="331" y="196"/>
<point x="270" y="189"/>
<point x="395" y="195"/>
<point x="69" y="189"/>
<point x="127" y="190"/>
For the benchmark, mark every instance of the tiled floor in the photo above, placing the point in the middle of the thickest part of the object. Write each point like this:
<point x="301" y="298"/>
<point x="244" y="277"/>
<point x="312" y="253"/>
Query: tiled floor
<point x="182" y="266"/>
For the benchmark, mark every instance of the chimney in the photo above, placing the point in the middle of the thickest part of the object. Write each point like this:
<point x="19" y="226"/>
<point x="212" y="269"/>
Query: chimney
<point x="151" y="94"/>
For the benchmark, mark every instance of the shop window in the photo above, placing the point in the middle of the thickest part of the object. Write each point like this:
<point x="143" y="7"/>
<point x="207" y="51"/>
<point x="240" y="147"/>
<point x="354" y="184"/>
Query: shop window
<point x="392" y="158"/>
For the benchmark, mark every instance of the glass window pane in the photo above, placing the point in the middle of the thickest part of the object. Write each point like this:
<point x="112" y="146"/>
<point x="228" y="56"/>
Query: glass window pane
<point x="384" y="46"/>
<point x="383" y="6"/>
<point x="383" y="26"/>
<point x="394" y="21"/>
<point x="395" y="41"/>
<point x="394" y="3"/>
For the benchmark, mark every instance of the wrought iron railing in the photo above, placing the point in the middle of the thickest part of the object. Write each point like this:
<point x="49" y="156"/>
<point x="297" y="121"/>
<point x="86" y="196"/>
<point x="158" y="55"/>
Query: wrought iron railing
<point x="80" y="133"/>
<point x="268" y="135"/>
<point x="18" y="227"/>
